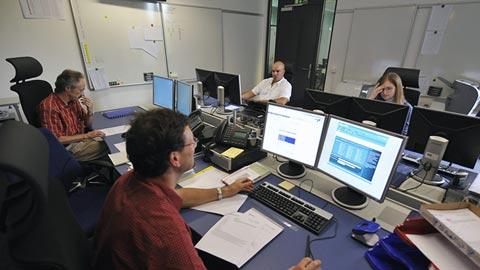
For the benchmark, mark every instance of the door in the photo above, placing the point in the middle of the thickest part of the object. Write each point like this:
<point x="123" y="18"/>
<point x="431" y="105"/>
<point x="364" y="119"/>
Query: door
<point x="298" y="30"/>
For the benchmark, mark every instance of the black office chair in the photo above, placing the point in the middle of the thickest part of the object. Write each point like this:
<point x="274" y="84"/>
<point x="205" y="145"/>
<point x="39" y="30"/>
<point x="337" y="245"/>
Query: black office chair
<point x="289" y="72"/>
<point x="409" y="78"/>
<point x="86" y="189"/>
<point x="35" y="217"/>
<point x="31" y="92"/>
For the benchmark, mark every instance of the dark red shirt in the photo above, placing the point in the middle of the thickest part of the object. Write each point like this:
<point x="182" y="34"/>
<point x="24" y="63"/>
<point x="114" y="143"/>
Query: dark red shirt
<point x="141" y="228"/>
<point x="62" y="119"/>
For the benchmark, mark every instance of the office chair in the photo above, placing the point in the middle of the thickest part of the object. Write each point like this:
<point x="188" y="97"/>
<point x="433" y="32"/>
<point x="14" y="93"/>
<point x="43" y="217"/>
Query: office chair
<point x="409" y="78"/>
<point x="289" y="72"/>
<point x="35" y="217"/>
<point x="86" y="190"/>
<point x="31" y="92"/>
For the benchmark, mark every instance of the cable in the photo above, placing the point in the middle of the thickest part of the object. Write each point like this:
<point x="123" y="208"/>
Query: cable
<point x="424" y="167"/>
<point x="334" y="220"/>
<point x="300" y="186"/>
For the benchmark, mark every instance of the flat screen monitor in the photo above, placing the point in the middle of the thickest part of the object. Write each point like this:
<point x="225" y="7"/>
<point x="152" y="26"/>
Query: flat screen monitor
<point x="461" y="131"/>
<point x="363" y="158"/>
<point x="294" y="134"/>
<point x="231" y="84"/>
<point x="386" y="115"/>
<point x="184" y="100"/>
<point x="163" y="92"/>
<point x="327" y="102"/>
<point x="208" y="82"/>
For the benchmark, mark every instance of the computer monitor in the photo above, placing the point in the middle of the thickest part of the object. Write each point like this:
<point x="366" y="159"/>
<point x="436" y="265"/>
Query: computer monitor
<point x="461" y="131"/>
<point x="184" y="98"/>
<point x="327" y="102"/>
<point x="208" y="82"/>
<point x="386" y="115"/>
<point x="163" y="92"/>
<point x="294" y="134"/>
<point x="231" y="85"/>
<point x="362" y="157"/>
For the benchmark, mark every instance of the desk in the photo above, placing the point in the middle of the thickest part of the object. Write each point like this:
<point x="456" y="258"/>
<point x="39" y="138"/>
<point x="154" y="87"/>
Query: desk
<point x="288" y="247"/>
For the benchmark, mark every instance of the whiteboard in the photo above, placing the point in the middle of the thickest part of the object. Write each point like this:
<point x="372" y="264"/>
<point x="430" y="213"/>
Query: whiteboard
<point x="193" y="39"/>
<point x="459" y="50"/>
<point x="103" y="27"/>
<point x="378" y="39"/>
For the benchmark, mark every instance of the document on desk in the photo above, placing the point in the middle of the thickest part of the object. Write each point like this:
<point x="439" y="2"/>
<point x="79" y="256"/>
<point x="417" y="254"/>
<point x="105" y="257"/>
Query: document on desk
<point x="237" y="237"/>
<point x="254" y="172"/>
<point x="122" y="147"/>
<point x="441" y="252"/>
<point x="475" y="186"/>
<point x="463" y="223"/>
<point x="224" y="206"/>
<point x="210" y="177"/>
<point x="115" y="130"/>
<point x="118" y="158"/>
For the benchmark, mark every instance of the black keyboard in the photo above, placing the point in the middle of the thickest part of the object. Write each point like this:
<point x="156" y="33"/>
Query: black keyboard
<point x="301" y="212"/>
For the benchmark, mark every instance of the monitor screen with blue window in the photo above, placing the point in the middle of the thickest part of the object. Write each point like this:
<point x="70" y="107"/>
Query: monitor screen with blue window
<point x="163" y="92"/>
<point x="362" y="157"/>
<point x="184" y="98"/>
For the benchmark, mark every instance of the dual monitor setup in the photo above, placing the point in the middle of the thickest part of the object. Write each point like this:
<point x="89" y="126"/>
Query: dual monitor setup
<point x="224" y="87"/>
<point x="173" y="94"/>
<point x="362" y="157"/>
<point x="439" y="135"/>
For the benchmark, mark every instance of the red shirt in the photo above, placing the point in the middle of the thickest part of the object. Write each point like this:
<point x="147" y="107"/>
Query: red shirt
<point x="141" y="228"/>
<point x="60" y="118"/>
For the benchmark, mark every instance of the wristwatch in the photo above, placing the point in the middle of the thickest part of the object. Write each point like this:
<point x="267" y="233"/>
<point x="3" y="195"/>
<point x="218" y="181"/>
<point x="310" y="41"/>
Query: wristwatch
<point x="219" y="194"/>
<point x="272" y="101"/>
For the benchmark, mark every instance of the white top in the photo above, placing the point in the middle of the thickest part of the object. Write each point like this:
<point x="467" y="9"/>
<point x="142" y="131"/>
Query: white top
<point x="266" y="91"/>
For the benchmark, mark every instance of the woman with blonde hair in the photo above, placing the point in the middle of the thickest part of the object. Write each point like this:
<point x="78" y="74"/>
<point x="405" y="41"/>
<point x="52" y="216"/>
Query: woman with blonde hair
<point x="389" y="88"/>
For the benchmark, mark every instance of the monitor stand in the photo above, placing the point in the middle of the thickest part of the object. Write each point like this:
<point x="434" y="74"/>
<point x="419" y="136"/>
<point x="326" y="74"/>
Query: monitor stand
<point x="291" y="170"/>
<point x="349" y="198"/>
<point x="429" y="178"/>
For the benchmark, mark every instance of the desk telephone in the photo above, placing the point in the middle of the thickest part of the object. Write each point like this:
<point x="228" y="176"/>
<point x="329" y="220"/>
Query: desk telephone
<point x="195" y="123"/>
<point x="231" y="135"/>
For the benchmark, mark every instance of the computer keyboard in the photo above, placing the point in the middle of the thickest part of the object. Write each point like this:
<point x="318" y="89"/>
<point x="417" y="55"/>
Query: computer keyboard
<point x="301" y="212"/>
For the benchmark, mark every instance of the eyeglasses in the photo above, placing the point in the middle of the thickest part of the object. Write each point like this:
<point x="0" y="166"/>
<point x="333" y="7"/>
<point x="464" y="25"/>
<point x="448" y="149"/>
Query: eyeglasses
<point x="195" y="141"/>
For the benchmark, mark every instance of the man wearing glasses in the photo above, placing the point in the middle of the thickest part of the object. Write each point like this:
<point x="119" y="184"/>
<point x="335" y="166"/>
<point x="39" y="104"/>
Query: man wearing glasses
<point x="140" y="226"/>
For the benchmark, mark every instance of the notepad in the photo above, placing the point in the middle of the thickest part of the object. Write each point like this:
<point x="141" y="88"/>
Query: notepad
<point x="232" y="152"/>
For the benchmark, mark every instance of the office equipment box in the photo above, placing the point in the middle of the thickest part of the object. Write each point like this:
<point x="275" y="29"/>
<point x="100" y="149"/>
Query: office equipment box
<point x="459" y="223"/>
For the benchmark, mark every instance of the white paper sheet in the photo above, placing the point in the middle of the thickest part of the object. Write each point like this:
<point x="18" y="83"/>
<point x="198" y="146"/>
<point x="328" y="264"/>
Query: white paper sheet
<point x="224" y="206"/>
<point x="115" y="130"/>
<point x="475" y="186"/>
<point x="209" y="177"/>
<point x="238" y="237"/>
<point x="441" y="252"/>
<point x="439" y="17"/>
<point x="463" y="223"/>
<point x="136" y="37"/>
<point x="432" y="42"/>
<point x="122" y="147"/>
<point x="153" y="33"/>
<point x="118" y="158"/>
<point x="98" y="78"/>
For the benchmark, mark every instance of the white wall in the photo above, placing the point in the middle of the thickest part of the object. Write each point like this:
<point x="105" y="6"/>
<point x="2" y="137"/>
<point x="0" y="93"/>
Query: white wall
<point x="342" y="32"/>
<point x="54" y="43"/>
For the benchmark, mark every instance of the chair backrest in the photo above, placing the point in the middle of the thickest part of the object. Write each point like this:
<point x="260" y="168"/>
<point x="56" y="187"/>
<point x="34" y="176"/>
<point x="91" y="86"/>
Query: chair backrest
<point x="62" y="164"/>
<point x="35" y="214"/>
<point x="31" y="92"/>
<point x="409" y="78"/>
<point x="412" y="96"/>
<point x="289" y="72"/>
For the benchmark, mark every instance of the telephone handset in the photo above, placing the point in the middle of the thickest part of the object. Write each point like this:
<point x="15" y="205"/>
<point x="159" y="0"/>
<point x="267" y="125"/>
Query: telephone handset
<point x="231" y="135"/>
<point x="195" y="123"/>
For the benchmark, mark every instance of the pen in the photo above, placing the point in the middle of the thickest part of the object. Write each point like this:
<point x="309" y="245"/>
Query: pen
<point x="225" y="183"/>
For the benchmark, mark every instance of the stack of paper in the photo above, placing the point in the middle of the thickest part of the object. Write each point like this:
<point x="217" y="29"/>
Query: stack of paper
<point x="115" y="130"/>
<point x="238" y="237"/>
